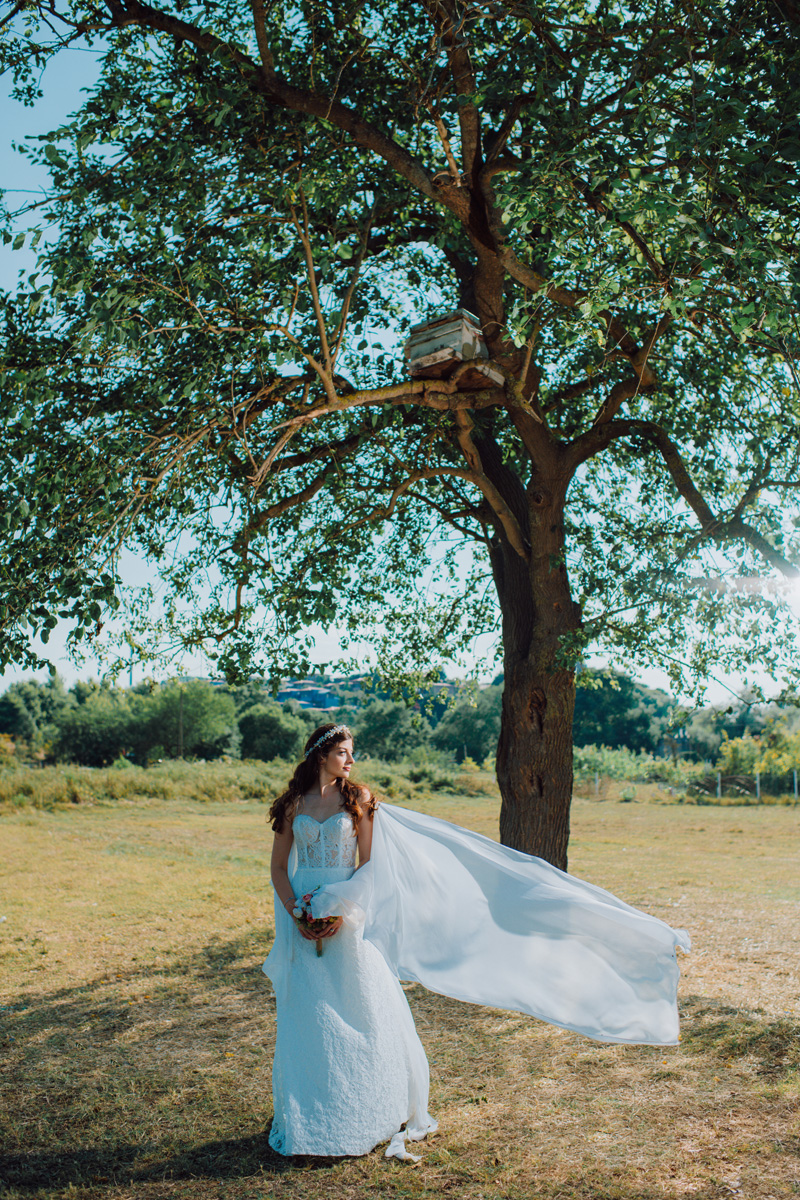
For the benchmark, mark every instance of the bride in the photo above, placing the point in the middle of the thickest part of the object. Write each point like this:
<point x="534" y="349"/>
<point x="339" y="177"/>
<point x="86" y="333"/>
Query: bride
<point x="368" y="895"/>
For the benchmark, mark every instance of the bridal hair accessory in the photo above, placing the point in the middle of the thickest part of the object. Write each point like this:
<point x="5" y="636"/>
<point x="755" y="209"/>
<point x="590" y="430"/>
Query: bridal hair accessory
<point x="331" y="733"/>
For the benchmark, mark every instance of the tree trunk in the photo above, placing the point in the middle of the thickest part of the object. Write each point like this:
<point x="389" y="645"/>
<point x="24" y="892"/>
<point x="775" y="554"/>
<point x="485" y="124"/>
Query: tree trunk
<point x="534" y="758"/>
<point x="534" y="753"/>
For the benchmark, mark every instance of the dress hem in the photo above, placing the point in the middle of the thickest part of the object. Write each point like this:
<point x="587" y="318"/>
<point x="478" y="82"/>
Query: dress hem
<point x="416" y="1135"/>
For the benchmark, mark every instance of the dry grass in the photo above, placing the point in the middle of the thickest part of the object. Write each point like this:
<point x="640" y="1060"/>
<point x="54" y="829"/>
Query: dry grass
<point x="137" y="1026"/>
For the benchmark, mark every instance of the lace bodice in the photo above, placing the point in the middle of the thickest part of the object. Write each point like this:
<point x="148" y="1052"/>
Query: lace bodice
<point x="320" y="844"/>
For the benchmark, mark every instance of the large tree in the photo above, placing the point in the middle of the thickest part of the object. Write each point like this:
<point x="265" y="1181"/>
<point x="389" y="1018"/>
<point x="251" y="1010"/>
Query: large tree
<point x="254" y="203"/>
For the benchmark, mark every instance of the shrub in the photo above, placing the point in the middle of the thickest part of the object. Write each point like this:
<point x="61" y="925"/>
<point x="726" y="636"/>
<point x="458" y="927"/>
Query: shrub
<point x="390" y="731"/>
<point x="471" y="729"/>
<point x="738" y="756"/>
<point x="268" y="732"/>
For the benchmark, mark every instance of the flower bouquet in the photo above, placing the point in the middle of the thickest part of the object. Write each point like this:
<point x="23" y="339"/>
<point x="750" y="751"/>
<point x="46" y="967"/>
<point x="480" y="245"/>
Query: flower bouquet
<point x="307" y="922"/>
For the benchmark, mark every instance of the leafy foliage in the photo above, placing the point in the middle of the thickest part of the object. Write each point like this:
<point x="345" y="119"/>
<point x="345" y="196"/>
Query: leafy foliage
<point x="471" y="728"/>
<point x="247" y="214"/>
<point x="30" y="711"/>
<point x="603" y="762"/>
<point x="613" y="710"/>
<point x="775" y="753"/>
<point x="390" y="730"/>
<point x="269" y="732"/>
<point x="224" y="252"/>
<point x="183" y="719"/>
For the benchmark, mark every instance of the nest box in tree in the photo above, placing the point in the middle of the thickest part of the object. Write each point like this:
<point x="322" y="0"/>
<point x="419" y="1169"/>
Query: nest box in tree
<point x="437" y="347"/>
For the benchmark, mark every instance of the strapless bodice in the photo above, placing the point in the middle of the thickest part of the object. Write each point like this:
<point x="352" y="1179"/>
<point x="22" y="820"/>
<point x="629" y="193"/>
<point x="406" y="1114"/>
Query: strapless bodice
<point x="327" y="844"/>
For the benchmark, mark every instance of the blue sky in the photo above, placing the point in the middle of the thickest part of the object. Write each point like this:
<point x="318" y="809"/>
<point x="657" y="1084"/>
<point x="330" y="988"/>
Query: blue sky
<point x="61" y="83"/>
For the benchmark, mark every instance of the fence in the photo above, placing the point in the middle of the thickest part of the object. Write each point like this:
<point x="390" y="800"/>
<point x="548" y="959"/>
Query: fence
<point x="601" y="772"/>
<point x="754" y="786"/>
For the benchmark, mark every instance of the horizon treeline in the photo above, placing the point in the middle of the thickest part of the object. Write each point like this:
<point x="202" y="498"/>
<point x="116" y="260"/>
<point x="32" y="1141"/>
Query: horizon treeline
<point x="96" y="724"/>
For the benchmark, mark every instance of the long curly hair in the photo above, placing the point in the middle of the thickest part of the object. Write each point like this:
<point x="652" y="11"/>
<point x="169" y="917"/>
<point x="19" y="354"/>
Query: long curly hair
<point x="306" y="775"/>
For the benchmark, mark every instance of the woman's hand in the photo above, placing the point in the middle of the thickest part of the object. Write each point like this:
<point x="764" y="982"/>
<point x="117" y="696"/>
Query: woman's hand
<point x="327" y="932"/>
<point x="334" y="927"/>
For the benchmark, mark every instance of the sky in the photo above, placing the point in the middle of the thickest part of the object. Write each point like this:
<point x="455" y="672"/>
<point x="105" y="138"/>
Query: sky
<point x="63" y="83"/>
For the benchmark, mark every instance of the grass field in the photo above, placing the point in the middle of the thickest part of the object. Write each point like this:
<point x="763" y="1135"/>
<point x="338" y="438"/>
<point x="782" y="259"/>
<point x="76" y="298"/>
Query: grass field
<point x="137" y="1027"/>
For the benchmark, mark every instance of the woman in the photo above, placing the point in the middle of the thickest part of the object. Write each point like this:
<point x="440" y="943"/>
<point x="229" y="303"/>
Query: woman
<point x="450" y="909"/>
<point x="349" y="1069"/>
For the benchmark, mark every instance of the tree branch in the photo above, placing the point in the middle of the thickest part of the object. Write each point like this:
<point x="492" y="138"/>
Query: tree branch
<point x="449" y="27"/>
<point x="715" y="528"/>
<point x="281" y="506"/>
<point x="573" y="390"/>
<point x="259" y="22"/>
<point x="450" y="518"/>
<point x="334" y="450"/>
<point x="501" y="510"/>
<point x="278" y="90"/>
<point x="385" y="511"/>
<point x="444" y="138"/>
<point x="497" y="141"/>
<point x="308" y="253"/>
<point x="442" y="394"/>
<point x="359" y="259"/>
<point x="645" y="377"/>
<point x="17" y="8"/>
<point x="597" y="205"/>
<point x="625" y="344"/>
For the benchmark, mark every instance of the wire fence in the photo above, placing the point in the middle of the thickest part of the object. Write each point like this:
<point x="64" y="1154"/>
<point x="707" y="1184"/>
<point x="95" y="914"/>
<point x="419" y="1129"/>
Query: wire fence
<point x="755" y="787"/>
<point x="604" y="773"/>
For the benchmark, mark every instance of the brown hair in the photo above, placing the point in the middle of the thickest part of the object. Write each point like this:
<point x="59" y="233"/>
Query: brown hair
<point x="354" y="795"/>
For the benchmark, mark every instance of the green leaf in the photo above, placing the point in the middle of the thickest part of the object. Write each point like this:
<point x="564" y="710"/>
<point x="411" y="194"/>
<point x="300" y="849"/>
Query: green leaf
<point x="53" y="156"/>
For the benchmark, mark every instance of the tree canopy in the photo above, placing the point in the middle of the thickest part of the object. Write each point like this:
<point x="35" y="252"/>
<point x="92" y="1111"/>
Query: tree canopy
<point x="254" y="204"/>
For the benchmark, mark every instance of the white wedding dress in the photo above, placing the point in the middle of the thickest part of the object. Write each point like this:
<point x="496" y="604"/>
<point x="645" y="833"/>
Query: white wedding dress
<point x="349" y="1069"/>
<point x="465" y="917"/>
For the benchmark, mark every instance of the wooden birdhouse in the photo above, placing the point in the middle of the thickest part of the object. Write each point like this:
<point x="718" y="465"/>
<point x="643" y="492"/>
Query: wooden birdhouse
<point x="437" y="347"/>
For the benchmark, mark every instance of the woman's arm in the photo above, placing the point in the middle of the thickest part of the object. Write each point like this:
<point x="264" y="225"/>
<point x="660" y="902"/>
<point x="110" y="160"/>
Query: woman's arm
<point x="279" y="867"/>
<point x="365" y="830"/>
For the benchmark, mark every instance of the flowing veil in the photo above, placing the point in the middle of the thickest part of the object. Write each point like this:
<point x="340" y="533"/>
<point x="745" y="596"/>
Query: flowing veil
<point x="479" y="922"/>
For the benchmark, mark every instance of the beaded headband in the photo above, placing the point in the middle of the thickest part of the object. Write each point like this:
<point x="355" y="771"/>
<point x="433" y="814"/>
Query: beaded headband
<point x="331" y="733"/>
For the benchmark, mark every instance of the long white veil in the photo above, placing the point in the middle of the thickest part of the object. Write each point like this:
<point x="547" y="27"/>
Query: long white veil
<point x="479" y="922"/>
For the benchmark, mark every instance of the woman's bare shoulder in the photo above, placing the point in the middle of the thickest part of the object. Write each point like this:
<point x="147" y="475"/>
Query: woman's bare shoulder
<point x="366" y="801"/>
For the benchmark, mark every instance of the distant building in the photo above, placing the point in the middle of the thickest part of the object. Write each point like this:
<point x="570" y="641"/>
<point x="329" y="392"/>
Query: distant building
<point x="309" y="695"/>
<point x="320" y="691"/>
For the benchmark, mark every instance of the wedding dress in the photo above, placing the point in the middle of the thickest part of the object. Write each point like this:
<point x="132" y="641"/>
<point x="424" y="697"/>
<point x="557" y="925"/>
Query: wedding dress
<point x="467" y="918"/>
<point x="349" y="1068"/>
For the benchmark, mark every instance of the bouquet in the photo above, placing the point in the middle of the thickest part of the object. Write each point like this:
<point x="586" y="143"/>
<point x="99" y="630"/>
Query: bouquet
<point x="311" y="924"/>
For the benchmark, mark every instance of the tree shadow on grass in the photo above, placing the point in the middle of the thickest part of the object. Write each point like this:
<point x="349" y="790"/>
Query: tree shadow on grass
<point x="217" y="967"/>
<point x="102" y="1092"/>
<point x="712" y="1027"/>
<point x="220" y="1159"/>
<point x="148" y="1071"/>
